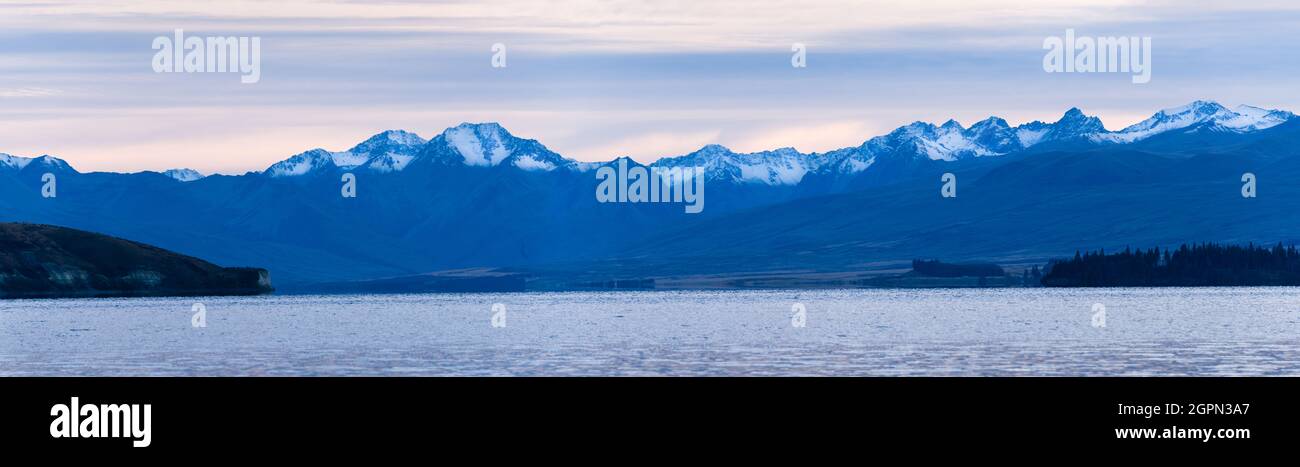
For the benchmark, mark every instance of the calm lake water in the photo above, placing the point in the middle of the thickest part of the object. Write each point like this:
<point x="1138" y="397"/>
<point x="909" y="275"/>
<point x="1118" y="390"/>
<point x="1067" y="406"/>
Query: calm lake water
<point x="1203" y="331"/>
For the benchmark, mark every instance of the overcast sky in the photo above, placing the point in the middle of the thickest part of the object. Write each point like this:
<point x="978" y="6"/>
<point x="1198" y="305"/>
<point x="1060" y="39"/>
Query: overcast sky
<point x="594" y="80"/>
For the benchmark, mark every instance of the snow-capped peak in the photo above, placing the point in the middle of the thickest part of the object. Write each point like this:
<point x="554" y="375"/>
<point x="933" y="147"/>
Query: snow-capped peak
<point x="947" y="142"/>
<point x="386" y="151"/>
<point x="184" y="175"/>
<point x="1243" y="119"/>
<point x="389" y="151"/>
<point x="1177" y="117"/>
<point x="490" y="145"/>
<point x="403" y="137"/>
<point x="387" y="139"/>
<point x="13" y="162"/>
<point x="784" y="166"/>
<point x="712" y="150"/>
<point x="474" y="144"/>
<point x="991" y="122"/>
<point x="49" y="163"/>
<point x="1251" y="118"/>
<point x="480" y="144"/>
<point x="1198" y="106"/>
<point x="1076" y="123"/>
<point x="45" y="162"/>
<point x="310" y="161"/>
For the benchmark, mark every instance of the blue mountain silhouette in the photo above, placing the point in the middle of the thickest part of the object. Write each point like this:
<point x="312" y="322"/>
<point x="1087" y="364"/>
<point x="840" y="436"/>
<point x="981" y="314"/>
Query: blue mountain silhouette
<point x="478" y="196"/>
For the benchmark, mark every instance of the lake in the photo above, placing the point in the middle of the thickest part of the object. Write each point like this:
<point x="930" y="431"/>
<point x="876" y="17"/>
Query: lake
<point x="933" y="332"/>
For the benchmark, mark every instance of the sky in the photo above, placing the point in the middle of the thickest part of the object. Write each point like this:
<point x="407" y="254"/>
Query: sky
<point x="594" y="80"/>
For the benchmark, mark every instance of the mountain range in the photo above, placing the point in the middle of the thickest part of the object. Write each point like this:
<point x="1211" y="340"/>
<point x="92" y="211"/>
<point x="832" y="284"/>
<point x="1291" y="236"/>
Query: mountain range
<point x="477" y="196"/>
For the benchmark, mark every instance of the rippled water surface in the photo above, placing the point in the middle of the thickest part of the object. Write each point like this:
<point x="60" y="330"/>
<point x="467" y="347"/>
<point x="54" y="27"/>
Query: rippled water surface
<point x="1205" y="331"/>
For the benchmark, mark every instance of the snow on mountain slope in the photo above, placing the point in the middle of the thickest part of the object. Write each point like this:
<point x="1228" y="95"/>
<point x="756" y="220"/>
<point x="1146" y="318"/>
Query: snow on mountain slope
<point x="784" y="166"/>
<point x="348" y="159"/>
<point x="472" y="144"/>
<point x="1250" y="118"/>
<point x="1244" y="118"/>
<point x="479" y="145"/>
<point x="952" y="142"/>
<point x="948" y="142"/>
<point x="388" y="142"/>
<point x="389" y="151"/>
<point x="391" y="162"/>
<point x="184" y="175"/>
<point x="46" y="162"/>
<point x="1028" y="135"/>
<point x="310" y="161"/>
<point x="49" y="163"/>
<point x="995" y="136"/>
<point x="490" y="145"/>
<point x="1074" y="124"/>
<point x="13" y="162"/>
<point x="529" y="162"/>
<point x="848" y="160"/>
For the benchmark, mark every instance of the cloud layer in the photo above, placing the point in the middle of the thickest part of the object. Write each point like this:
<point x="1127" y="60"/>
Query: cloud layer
<point x="598" y="79"/>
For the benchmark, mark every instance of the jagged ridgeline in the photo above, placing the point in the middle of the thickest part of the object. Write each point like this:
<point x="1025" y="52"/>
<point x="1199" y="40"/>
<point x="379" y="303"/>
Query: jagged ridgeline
<point x="38" y="261"/>
<point x="476" y="196"/>
<point x="1189" y="266"/>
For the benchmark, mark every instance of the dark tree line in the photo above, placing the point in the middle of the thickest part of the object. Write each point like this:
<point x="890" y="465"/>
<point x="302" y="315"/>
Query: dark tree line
<point x="1032" y="277"/>
<point x="1205" y="264"/>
